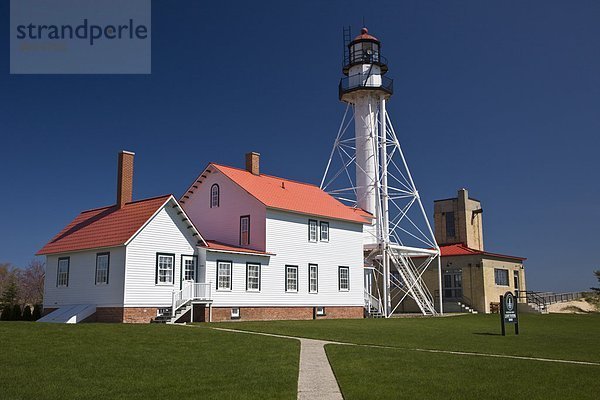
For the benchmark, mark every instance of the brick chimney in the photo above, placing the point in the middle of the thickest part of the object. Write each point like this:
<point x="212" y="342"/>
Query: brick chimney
<point x="253" y="163"/>
<point x="125" y="178"/>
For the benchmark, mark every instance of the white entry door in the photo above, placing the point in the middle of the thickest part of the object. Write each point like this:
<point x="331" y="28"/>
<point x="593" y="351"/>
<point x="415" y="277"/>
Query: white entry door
<point x="188" y="268"/>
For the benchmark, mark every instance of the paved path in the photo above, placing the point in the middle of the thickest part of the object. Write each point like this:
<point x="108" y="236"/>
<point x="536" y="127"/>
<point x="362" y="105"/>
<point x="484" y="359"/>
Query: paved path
<point x="316" y="380"/>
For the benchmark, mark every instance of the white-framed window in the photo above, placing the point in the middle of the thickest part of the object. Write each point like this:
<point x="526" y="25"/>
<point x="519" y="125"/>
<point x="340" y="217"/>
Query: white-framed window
<point x="62" y="272"/>
<point x="320" y="311"/>
<point x="324" y="231"/>
<point x="313" y="278"/>
<point x="102" y="266"/>
<point x="344" y="278"/>
<point x="501" y="276"/>
<point x="253" y="277"/>
<point x="291" y="278"/>
<point x="188" y="264"/>
<point x="165" y="266"/>
<point x="244" y="230"/>
<point x="214" y="196"/>
<point x="312" y="231"/>
<point x="224" y="275"/>
<point x="235" y="313"/>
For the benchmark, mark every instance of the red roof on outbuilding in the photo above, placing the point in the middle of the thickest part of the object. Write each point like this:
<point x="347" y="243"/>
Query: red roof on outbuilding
<point x="462" y="250"/>
<point x="104" y="227"/>
<point x="284" y="194"/>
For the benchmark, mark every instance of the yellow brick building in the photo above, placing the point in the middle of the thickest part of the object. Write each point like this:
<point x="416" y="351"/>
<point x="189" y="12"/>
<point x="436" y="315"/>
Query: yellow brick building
<point x="471" y="276"/>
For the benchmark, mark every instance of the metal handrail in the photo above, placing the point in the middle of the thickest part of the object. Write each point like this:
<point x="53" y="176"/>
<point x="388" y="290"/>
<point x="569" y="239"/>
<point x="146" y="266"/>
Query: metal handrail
<point x="189" y="291"/>
<point x="372" y="302"/>
<point x="466" y="300"/>
<point x="533" y="298"/>
<point x="552" y="298"/>
<point x="364" y="57"/>
<point x="345" y="85"/>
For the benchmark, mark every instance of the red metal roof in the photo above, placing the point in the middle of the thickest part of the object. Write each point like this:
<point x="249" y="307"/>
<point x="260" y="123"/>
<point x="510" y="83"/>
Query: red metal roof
<point x="364" y="35"/>
<point x="460" y="249"/>
<point x="214" y="245"/>
<point x="104" y="227"/>
<point x="288" y="195"/>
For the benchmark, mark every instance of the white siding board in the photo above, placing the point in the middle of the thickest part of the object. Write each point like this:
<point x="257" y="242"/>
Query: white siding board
<point x="238" y="296"/>
<point x="287" y="237"/>
<point x="165" y="233"/>
<point x="82" y="277"/>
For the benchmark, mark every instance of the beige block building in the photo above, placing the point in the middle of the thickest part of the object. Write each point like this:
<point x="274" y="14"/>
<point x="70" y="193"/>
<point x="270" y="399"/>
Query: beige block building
<point x="470" y="275"/>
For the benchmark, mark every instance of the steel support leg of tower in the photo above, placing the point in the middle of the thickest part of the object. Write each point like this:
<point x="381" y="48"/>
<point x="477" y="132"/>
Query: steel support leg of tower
<point x="439" y="263"/>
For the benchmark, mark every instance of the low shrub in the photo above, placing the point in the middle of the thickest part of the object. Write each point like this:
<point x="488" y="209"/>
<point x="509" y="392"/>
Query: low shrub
<point x="16" y="313"/>
<point x="27" y="316"/>
<point x="6" y="312"/>
<point x="37" y="312"/>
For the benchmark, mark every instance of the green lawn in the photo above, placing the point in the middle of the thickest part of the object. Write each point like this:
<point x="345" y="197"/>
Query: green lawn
<point x="564" y="336"/>
<point x="116" y="361"/>
<point x="100" y="361"/>
<point x="368" y="373"/>
<point x="377" y="373"/>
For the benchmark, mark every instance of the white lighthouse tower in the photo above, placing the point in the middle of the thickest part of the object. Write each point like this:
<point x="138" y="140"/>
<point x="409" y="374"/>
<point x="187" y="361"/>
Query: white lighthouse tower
<point x="368" y="170"/>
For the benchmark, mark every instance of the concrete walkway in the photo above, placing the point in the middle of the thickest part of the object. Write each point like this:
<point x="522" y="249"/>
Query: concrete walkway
<point x="316" y="380"/>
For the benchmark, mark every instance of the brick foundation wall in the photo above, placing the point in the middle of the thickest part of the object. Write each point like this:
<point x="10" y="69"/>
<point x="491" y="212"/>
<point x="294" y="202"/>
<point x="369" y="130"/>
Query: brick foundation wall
<point x="277" y="313"/>
<point x="142" y="315"/>
<point x="139" y="315"/>
<point x="342" y="312"/>
<point x="109" y="314"/>
<point x="133" y="315"/>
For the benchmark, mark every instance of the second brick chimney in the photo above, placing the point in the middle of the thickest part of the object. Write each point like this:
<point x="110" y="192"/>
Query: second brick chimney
<point x="125" y="178"/>
<point x="253" y="163"/>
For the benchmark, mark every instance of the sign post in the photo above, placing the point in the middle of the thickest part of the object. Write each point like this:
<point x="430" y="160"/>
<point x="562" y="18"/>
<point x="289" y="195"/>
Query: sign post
<point x="508" y="312"/>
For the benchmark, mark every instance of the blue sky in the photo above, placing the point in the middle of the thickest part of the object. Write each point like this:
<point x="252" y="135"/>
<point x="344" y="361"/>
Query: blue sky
<point x="501" y="97"/>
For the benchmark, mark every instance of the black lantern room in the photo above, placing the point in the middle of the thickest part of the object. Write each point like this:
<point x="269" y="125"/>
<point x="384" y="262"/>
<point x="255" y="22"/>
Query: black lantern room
<point x="364" y="49"/>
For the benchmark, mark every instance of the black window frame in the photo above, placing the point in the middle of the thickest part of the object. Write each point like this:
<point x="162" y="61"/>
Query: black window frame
<point x="58" y="270"/>
<point x="309" y="267"/>
<point x="316" y="230"/>
<point x="230" y="262"/>
<point x="156" y="279"/>
<point x="98" y="255"/>
<point x="241" y="218"/>
<point x="321" y="224"/>
<point x="215" y="185"/>
<point x="340" y="268"/>
<point x="248" y="264"/>
<point x="286" y="278"/>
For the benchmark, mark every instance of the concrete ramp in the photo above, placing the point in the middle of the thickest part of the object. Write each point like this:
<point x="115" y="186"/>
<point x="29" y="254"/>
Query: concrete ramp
<point x="69" y="314"/>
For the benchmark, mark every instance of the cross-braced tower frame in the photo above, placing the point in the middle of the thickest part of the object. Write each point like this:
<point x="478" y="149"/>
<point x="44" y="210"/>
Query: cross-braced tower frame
<point x="367" y="169"/>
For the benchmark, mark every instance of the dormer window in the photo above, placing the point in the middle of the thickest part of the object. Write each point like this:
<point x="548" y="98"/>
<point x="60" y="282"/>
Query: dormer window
<point x="214" y="196"/>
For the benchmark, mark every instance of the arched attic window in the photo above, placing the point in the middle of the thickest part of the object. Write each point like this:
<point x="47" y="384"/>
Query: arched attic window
<point x="214" y="196"/>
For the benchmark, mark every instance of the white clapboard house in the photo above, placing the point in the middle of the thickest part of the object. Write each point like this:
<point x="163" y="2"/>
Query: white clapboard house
<point x="238" y="245"/>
